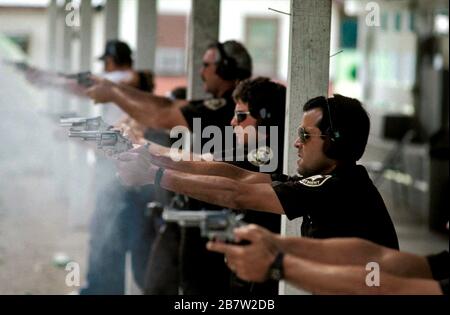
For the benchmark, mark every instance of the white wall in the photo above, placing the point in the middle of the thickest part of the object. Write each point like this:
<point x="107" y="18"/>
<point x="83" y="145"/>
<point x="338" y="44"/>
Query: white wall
<point x="232" y="23"/>
<point x="32" y="22"/>
<point x="174" y="6"/>
<point x="128" y="22"/>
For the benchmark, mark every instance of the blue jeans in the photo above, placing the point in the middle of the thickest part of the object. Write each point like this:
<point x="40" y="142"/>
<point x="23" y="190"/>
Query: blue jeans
<point x="119" y="225"/>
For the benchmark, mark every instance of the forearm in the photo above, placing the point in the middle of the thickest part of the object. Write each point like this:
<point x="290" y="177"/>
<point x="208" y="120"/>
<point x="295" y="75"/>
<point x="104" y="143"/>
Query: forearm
<point x="356" y="252"/>
<point x="211" y="189"/>
<point x="334" y="279"/>
<point x="148" y="109"/>
<point x="337" y="251"/>
<point x="221" y="169"/>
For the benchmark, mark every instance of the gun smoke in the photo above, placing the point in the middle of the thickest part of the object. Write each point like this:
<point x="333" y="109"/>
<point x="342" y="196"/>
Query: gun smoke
<point x="47" y="191"/>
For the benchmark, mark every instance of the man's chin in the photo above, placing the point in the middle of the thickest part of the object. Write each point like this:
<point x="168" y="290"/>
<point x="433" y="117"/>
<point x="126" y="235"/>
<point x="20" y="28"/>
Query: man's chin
<point x="300" y="169"/>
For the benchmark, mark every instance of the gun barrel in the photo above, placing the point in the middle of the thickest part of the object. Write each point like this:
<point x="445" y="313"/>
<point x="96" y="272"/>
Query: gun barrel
<point x="110" y="141"/>
<point x="85" y="124"/>
<point x="76" y="76"/>
<point x="83" y="78"/>
<point x="184" y="218"/>
<point x="70" y="122"/>
<point x="211" y="219"/>
<point x="213" y="224"/>
<point x="86" y="135"/>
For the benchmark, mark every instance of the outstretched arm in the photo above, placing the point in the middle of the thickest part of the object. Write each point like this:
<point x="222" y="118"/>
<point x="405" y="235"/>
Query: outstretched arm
<point x="46" y="79"/>
<point x="322" y="272"/>
<point x="354" y="251"/>
<point x="337" y="279"/>
<point x="210" y="168"/>
<point x="148" y="109"/>
<point x="223" y="191"/>
<point x="136" y="168"/>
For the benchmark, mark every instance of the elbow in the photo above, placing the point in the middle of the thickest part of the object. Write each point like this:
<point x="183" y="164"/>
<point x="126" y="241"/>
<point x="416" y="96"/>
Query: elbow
<point x="162" y="120"/>
<point x="165" y="115"/>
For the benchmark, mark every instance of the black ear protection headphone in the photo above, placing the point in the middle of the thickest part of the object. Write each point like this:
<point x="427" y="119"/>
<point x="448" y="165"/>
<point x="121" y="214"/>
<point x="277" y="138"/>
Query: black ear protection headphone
<point x="226" y="66"/>
<point x="333" y="146"/>
<point x="262" y="113"/>
<point x="270" y="111"/>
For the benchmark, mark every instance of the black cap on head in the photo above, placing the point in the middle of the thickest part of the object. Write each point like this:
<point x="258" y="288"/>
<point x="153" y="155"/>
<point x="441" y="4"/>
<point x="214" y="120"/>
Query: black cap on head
<point x="119" y="51"/>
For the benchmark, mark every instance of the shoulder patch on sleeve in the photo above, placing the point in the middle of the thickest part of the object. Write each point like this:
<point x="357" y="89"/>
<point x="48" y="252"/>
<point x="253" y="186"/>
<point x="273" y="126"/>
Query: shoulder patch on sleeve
<point x="315" y="181"/>
<point x="260" y="156"/>
<point x="215" y="103"/>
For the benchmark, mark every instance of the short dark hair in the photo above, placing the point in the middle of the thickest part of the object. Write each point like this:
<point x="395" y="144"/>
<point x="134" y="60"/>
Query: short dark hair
<point x="349" y="119"/>
<point x="146" y="80"/>
<point x="178" y="93"/>
<point x="266" y="100"/>
<point x="233" y="60"/>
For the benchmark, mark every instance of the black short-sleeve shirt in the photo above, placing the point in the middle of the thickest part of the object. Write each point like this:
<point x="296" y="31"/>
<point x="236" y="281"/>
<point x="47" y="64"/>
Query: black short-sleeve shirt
<point x="344" y="203"/>
<point x="212" y="112"/>
<point x="204" y="272"/>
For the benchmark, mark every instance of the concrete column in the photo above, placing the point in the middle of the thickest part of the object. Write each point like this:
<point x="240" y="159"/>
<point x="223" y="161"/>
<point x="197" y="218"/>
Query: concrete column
<point x="85" y="35"/>
<point x="52" y="16"/>
<point x="67" y="42"/>
<point x="146" y="34"/>
<point x="309" y="57"/>
<point x="203" y="29"/>
<point x="365" y="44"/>
<point x="59" y="34"/>
<point x="111" y="19"/>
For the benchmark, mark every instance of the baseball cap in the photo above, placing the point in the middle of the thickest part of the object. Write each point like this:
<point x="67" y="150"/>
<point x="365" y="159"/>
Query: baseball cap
<point x="119" y="50"/>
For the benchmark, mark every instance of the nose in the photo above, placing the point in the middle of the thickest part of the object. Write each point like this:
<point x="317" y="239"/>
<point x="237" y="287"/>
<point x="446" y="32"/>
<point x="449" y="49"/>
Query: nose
<point x="298" y="143"/>
<point x="233" y="122"/>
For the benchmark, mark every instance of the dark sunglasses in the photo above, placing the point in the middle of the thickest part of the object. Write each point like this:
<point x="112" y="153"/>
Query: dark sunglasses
<point x="241" y="116"/>
<point x="207" y="64"/>
<point x="304" y="136"/>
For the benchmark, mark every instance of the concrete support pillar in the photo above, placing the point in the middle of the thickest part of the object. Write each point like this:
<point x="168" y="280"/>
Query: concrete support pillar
<point x="203" y="29"/>
<point x="146" y="34"/>
<point x="111" y="19"/>
<point x="67" y="42"/>
<point x="309" y="57"/>
<point x="52" y="17"/>
<point x="365" y="42"/>
<point x="86" y="35"/>
<point x="59" y="40"/>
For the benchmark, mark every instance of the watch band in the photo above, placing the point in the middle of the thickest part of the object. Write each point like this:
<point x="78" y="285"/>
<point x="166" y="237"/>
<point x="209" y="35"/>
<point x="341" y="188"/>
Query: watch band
<point x="276" y="270"/>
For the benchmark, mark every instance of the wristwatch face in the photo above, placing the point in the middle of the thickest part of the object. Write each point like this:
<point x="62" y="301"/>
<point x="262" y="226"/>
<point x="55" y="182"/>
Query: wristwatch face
<point x="276" y="269"/>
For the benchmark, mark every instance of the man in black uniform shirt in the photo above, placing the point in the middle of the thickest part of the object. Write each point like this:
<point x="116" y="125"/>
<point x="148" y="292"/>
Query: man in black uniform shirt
<point x="337" y="197"/>
<point x="259" y="103"/>
<point x="333" y="194"/>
